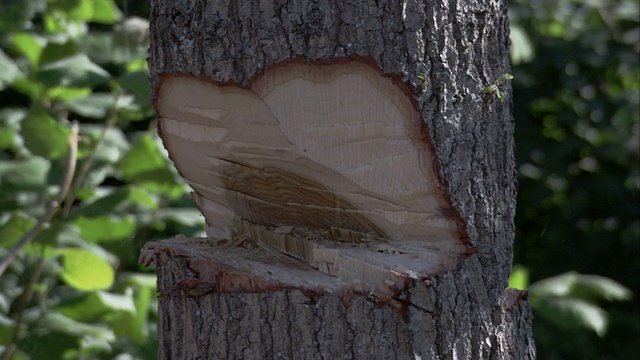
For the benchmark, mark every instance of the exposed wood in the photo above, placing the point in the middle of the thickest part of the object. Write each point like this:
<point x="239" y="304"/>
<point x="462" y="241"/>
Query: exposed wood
<point x="322" y="243"/>
<point x="327" y="163"/>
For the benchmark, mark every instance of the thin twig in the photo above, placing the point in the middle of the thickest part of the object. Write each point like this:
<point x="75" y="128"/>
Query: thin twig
<point x="53" y="206"/>
<point x="88" y="161"/>
<point x="27" y="293"/>
<point x="84" y="169"/>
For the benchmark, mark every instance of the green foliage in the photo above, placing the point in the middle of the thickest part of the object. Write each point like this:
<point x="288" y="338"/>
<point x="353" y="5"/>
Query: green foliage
<point x="76" y="291"/>
<point x="85" y="271"/>
<point x="43" y="136"/>
<point x="577" y="97"/>
<point x="570" y="301"/>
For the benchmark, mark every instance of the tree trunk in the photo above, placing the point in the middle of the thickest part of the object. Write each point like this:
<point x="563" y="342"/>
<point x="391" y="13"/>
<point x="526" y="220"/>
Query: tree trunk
<point x="354" y="164"/>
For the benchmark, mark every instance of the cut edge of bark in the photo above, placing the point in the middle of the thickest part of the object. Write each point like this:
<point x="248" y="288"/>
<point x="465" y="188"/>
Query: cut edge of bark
<point x="223" y="268"/>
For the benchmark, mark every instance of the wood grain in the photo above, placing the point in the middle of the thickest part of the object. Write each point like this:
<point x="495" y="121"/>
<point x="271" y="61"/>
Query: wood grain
<point x="334" y="151"/>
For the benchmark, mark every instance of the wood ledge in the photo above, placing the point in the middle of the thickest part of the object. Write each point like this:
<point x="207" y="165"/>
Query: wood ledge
<point x="222" y="266"/>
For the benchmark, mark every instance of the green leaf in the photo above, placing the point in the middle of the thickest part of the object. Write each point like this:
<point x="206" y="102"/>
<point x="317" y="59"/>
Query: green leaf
<point x="106" y="229"/>
<point x="74" y="71"/>
<point x="139" y="64"/>
<point x="93" y="105"/>
<point x="105" y="12"/>
<point x="143" y="300"/>
<point x="145" y="163"/>
<point x="10" y="119"/>
<point x="7" y="139"/>
<point x="65" y="93"/>
<point x="17" y="226"/>
<point x="183" y="216"/>
<point x="9" y="71"/>
<point x="84" y="270"/>
<point x="132" y="33"/>
<point x="519" y="278"/>
<point x="57" y="51"/>
<point x="556" y="29"/>
<point x="27" y="86"/>
<point x="600" y="287"/>
<point x="98" y="172"/>
<point x="121" y="201"/>
<point x="170" y="190"/>
<point x="94" y="306"/>
<point x="100" y="337"/>
<point x="98" y="105"/>
<point x="586" y="287"/>
<point x="15" y="13"/>
<point x="45" y="242"/>
<point x="98" y="46"/>
<point x="113" y="146"/>
<point x="521" y="46"/>
<point x="7" y="326"/>
<point x="133" y="324"/>
<point x="126" y="314"/>
<point x="559" y="285"/>
<point x="144" y="286"/>
<point x="29" y="174"/>
<point x="20" y="224"/>
<point x="69" y="235"/>
<point x="116" y="302"/>
<point x="140" y="197"/>
<point x="130" y="40"/>
<point x="137" y="84"/>
<point x="5" y="299"/>
<point x="46" y="341"/>
<point x="30" y="45"/>
<point x="118" y="46"/>
<point x="75" y="10"/>
<point x="139" y="280"/>
<point x="44" y="136"/>
<point x="12" y="286"/>
<point x="571" y="313"/>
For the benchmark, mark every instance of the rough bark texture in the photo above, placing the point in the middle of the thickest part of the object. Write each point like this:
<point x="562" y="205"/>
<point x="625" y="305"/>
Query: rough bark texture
<point x="449" y="51"/>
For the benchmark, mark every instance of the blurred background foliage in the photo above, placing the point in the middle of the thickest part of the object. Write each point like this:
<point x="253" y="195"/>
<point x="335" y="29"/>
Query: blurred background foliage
<point x="76" y="291"/>
<point x="576" y="92"/>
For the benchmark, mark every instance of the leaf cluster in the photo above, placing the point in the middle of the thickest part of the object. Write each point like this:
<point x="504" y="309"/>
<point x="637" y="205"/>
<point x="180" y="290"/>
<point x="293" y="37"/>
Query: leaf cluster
<point x="576" y="105"/>
<point x="76" y="290"/>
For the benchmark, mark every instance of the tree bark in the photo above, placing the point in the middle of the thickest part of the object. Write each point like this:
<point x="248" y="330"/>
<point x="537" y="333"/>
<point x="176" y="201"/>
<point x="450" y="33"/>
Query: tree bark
<point x="451" y="55"/>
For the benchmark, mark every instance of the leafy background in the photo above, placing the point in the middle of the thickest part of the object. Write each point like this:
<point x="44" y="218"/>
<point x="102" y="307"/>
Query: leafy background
<point x="76" y="291"/>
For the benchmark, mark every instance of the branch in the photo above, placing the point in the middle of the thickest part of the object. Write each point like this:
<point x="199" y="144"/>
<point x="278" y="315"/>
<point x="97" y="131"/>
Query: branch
<point x="84" y="169"/>
<point x="53" y="206"/>
<point x="88" y="161"/>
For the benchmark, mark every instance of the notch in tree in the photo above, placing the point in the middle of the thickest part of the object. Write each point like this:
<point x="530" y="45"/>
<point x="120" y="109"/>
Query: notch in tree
<point x="358" y="191"/>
